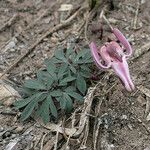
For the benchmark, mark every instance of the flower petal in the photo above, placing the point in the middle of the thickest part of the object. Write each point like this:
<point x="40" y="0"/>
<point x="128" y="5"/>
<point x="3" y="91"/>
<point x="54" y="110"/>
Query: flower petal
<point x="122" y="71"/>
<point x="115" y="51"/>
<point x="97" y="58"/>
<point x="123" y="40"/>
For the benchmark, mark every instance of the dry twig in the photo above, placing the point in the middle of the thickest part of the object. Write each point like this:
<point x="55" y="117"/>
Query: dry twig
<point x="55" y="146"/>
<point x="147" y="109"/>
<point x="86" y="27"/>
<point x="108" y="23"/>
<point x="28" y="27"/>
<point x="50" y="144"/>
<point x="9" y="22"/>
<point x="139" y="52"/>
<point x="49" y="32"/>
<point x="144" y="90"/>
<point x="96" y="125"/>
<point x="67" y="143"/>
<point x="136" y="16"/>
<point x="86" y="110"/>
<point x="42" y="141"/>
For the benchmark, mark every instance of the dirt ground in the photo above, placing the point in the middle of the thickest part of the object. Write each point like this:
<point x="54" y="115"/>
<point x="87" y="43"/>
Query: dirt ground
<point x="122" y="121"/>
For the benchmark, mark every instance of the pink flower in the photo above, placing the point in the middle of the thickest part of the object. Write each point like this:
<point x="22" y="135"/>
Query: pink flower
<point x="115" y="55"/>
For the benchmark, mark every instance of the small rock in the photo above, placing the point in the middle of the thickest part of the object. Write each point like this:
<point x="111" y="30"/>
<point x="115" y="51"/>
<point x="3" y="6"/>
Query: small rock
<point x="65" y="7"/>
<point x="143" y="1"/>
<point x="13" y="135"/>
<point x="45" y="39"/>
<point x="47" y="20"/>
<point x="141" y="100"/>
<point x="12" y="50"/>
<point x="19" y="129"/>
<point x="9" y="101"/>
<point x="67" y="148"/>
<point x="148" y="117"/>
<point x="10" y="45"/>
<point x="1" y="129"/>
<point x="54" y="39"/>
<point x="7" y="91"/>
<point x="131" y="38"/>
<point x="112" y="20"/>
<point x="124" y="117"/>
<point x="22" y="46"/>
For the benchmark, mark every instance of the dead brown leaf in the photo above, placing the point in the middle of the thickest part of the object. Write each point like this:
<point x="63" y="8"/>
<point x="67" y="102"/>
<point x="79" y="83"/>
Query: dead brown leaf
<point x="7" y="92"/>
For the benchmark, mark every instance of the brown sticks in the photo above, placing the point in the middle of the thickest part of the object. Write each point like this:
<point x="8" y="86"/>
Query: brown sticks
<point x="9" y="22"/>
<point x="49" y="32"/>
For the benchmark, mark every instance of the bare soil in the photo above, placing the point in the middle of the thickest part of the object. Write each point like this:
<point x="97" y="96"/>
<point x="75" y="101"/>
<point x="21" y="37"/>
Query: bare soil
<point x="123" y="118"/>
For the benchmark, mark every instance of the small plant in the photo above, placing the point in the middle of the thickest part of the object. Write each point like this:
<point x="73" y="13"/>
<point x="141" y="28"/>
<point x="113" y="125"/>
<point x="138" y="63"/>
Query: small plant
<point x="114" y="54"/>
<point x="59" y="85"/>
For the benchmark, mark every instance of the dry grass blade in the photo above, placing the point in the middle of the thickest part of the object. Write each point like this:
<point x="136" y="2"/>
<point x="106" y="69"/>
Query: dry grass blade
<point x="8" y="95"/>
<point x="49" y="32"/>
<point x="56" y="142"/>
<point x="85" y="133"/>
<point x="86" y="110"/>
<point x="139" y="52"/>
<point x="136" y="16"/>
<point x="42" y="141"/>
<point x="147" y="109"/>
<point x="9" y="22"/>
<point x="27" y="28"/>
<point x="49" y="145"/>
<point x="144" y="90"/>
<point x="96" y="125"/>
<point x="67" y="143"/>
<point x="58" y="128"/>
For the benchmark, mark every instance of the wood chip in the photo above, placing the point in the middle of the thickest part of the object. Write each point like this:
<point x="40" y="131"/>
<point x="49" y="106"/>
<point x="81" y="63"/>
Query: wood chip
<point x="65" y="7"/>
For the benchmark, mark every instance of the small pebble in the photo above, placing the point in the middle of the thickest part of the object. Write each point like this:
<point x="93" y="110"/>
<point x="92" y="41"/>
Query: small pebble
<point x="12" y="50"/>
<point x="113" y="20"/>
<point x="54" y="39"/>
<point x="1" y="129"/>
<point x="13" y="135"/>
<point x="141" y="100"/>
<point x="11" y="44"/>
<point x="124" y="117"/>
<point x="148" y="117"/>
<point x="45" y="39"/>
<point x="8" y="102"/>
<point x="47" y="20"/>
<point x="19" y="129"/>
<point x="143" y="1"/>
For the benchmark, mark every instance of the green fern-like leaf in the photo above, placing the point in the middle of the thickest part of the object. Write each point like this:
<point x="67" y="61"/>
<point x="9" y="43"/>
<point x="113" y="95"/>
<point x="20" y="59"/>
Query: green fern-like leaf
<point x="81" y="84"/>
<point x="34" y="84"/>
<point x="52" y="106"/>
<point x="31" y="105"/>
<point x="75" y="96"/>
<point x="62" y="81"/>
<point x="68" y="102"/>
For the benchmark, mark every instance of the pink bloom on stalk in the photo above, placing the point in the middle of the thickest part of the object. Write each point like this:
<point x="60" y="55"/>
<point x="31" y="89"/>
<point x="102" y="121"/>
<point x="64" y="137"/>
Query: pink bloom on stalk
<point x="115" y="56"/>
